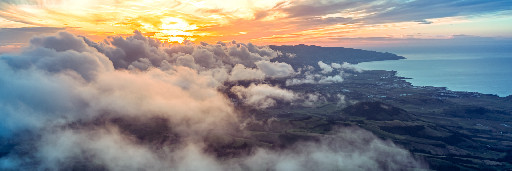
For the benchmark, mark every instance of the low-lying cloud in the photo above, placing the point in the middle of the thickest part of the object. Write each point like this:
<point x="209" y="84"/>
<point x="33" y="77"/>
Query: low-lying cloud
<point x="136" y="104"/>
<point x="328" y="74"/>
<point x="263" y="95"/>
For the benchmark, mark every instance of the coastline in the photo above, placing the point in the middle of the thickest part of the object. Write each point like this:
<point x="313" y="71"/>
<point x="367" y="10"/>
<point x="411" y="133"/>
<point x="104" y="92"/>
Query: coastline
<point x="437" y="73"/>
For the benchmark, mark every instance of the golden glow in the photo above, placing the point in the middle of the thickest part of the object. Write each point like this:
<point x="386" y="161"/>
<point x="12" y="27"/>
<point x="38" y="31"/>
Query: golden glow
<point x="173" y="30"/>
<point x="170" y="21"/>
<point x="262" y="21"/>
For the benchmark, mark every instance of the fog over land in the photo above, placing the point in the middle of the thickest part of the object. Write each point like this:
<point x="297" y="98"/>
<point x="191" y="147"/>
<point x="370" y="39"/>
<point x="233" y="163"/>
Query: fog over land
<point x="68" y="102"/>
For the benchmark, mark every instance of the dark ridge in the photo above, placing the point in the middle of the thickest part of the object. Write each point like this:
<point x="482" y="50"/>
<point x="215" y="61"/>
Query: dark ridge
<point x="377" y="111"/>
<point x="508" y="98"/>
<point x="310" y="55"/>
<point x="474" y="112"/>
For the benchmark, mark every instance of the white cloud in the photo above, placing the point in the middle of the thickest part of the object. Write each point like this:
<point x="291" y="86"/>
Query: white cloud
<point x="240" y="72"/>
<point x="325" y="76"/>
<point x="325" y="68"/>
<point x="330" y="79"/>
<point x="263" y="95"/>
<point x="310" y="78"/>
<point x="275" y="69"/>
<point x="335" y="65"/>
<point x="347" y="66"/>
<point x="341" y="99"/>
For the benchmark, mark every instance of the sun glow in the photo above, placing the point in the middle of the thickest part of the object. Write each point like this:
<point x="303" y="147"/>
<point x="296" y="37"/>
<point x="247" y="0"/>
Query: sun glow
<point x="169" y="29"/>
<point x="175" y="30"/>
<point x="168" y="21"/>
<point x="262" y="22"/>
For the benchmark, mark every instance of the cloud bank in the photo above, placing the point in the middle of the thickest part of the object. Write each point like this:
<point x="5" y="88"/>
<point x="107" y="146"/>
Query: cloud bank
<point x="135" y="104"/>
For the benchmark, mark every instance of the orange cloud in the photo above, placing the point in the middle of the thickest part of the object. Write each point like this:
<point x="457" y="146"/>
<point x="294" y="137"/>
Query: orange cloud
<point x="262" y="22"/>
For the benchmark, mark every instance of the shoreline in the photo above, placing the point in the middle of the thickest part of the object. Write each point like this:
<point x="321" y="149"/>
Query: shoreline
<point x="425" y="79"/>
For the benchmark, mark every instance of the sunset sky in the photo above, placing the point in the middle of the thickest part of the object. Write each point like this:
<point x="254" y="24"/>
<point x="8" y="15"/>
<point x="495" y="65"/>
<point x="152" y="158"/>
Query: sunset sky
<point x="327" y="23"/>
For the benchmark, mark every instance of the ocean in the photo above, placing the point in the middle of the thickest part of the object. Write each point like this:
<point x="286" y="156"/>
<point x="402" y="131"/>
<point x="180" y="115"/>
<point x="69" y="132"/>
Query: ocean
<point x="484" y="72"/>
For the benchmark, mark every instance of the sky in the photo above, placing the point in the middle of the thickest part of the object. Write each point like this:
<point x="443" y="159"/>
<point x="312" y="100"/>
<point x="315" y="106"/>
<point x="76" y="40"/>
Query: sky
<point x="347" y="23"/>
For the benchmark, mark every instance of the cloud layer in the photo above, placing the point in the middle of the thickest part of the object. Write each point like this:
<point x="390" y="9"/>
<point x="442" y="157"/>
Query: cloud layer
<point x="132" y="103"/>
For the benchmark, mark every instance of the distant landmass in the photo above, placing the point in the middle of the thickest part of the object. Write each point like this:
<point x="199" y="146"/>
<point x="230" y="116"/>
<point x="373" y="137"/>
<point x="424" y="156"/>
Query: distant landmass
<point x="311" y="54"/>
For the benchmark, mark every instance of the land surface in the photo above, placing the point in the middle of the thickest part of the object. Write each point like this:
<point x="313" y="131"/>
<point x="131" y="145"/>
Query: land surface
<point x="450" y="130"/>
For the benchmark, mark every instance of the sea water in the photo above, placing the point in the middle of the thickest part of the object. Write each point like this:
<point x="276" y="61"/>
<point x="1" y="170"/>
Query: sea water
<point x="484" y="73"/>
